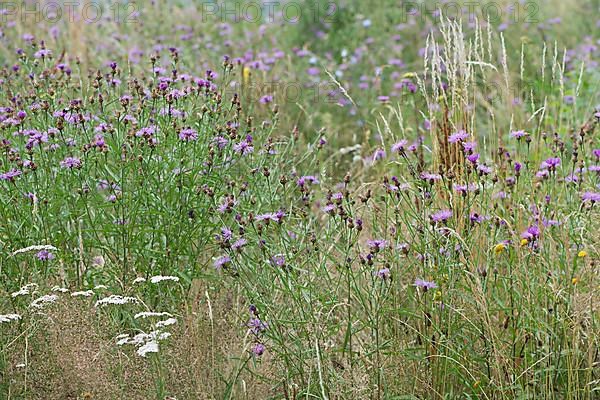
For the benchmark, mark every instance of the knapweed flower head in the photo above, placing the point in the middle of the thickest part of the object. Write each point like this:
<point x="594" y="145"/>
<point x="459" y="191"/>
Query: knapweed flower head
<point x="378" y="154"/>
<point x="303" y="180"/>
<point x="376" y="245"/>
<point x="239" y="244"/>
<point x="459" y="136"/>
<point x="222" y="262"/>
<point x="266" y="99"/>
<point x="441" y="216"/>
<point x="518" y="134"/>
<point x="275" y="217"/>
<point x="531" y="233"/>
<point x="484" y="169"/>
<point x="400" y="146"/>
<point x="430" y="177"/>
<point x="258" y="349"/>
<point x="257" y="326"/>
<point x="10" y="175"/>
<point x="592" y="197"/>
<point x="244" y="147"/>
<point x="551" y="163"/>
<point x="278" y="260"/>
<point x="425" y="285"/>
<point x="473" y="158"/>
<point x="383" y="273"/>
<point x="188" y="135"/>
<point x="44" y="255"/>
<point x="147" y="131"/>
<point x="71" y="163"/>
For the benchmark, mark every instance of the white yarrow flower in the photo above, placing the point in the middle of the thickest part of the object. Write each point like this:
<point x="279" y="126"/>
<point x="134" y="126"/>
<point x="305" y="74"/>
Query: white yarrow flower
<point x="86" y="293"/>
<point x="40" y="302"/>
<point x="147" y="314"/>
<point x="139" y="280"/>
<point x="25" y="290"/>
<point x="149" y="347"/>
<point x="9" y="317"/>
<point x="59" y="289"/>
<point x="122" y="339"/>
<point x="115" y="299"/>
<point x="166" y="322"/>
<point x="160" y="278"/>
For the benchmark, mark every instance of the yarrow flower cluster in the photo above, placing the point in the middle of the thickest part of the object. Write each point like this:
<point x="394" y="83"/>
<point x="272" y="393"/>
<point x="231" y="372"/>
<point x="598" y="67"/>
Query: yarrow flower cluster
<point x="115" y="299"/>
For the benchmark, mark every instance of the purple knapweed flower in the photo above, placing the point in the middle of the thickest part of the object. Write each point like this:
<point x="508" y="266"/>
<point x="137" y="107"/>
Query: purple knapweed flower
<point x="430" y="177"/>
<point x="266" y="99"/>
<point x="484" y="169"/>
<point x="147" y="131"/>
<point x="71" y="163"/>
<point x="244" y="147"/>
<point x="10" y="175"/>
<point x="551" y="163"/>
<point x="593" y="197"/>
<point x="542" y="174"/>
<point x="476" y="218"/>
<point x="399" y="147"/>
<point x="473" y="158"/>
<point x="531" y="234"/>
<point x="383" y="273"/>
<point x="257" y="326"/>
<point x="441" y="216"/>
<point x="518" y="134"/>
<point x="468" y="147"/>
<point x="258" y="349"/>
<point x="518" y="167"/>
<point x="379" y="154"/>
<point x="303" y="180"/>
<point x="238" y="244"/>
<point x="459" y="136"/>
<point x="376" y="245"/>
<point x="425" y="285"/>
<point x="188" y="135"/>
<point x="222" y="262"/>
<point x="278" y="260"/>
<point x="44" y="255"/>
<point x="43" y="53"/>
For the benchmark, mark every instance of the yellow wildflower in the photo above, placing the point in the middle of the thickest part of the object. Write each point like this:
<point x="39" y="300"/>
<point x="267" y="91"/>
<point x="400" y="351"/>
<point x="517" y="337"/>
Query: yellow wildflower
<point x="499" y="248"/>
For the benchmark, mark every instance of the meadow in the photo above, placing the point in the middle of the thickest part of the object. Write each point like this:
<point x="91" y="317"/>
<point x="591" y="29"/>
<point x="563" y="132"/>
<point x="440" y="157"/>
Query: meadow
<point x="382" y="200"/>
